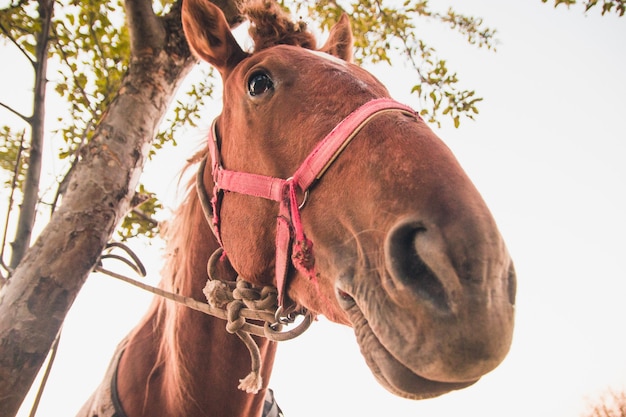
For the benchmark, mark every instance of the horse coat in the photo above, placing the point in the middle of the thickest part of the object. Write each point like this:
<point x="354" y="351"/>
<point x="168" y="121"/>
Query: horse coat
<point x="104" y="402"/>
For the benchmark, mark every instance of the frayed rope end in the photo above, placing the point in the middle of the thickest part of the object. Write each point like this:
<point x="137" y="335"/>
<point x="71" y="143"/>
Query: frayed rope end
<point x="217" y="293"/>
<point x="251" y="383"/>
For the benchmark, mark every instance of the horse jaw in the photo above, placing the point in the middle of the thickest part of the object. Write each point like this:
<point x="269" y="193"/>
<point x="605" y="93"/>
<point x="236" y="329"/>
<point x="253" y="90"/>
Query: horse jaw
<point x="414" y="346"/>
<point x="392" y="373"/>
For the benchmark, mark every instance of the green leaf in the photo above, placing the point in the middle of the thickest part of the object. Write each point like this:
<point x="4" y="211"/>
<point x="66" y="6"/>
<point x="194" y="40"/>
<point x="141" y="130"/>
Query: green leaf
<point x="14" y="154"/>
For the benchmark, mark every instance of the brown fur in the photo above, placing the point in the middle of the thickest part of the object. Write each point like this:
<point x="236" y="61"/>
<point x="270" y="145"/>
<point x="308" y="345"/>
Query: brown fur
<point x="405" y="248"/>
<point x="271" y="26"/>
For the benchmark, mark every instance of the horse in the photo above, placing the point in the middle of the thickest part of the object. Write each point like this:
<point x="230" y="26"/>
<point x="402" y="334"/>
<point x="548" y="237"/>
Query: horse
<point x="316" y="183"/>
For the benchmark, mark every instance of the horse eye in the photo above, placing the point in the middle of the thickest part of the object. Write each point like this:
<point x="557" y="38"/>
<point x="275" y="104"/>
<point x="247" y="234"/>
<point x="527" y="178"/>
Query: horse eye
<point x="259" y="83"/>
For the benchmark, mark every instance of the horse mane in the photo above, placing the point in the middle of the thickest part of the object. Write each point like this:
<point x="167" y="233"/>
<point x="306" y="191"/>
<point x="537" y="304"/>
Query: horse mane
<point x="177" y="271"/>
<point x="270" y="25"/>
<point x="181" y="235"/>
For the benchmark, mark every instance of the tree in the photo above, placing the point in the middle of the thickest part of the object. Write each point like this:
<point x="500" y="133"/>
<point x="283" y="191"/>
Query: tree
<point x="43" y="286"/>
<point x="610" y="404"/>
<point x="90" y="52"/>
<point x="118" y="81"/>
<point x="38" y="57"/>
<point x="608" y="6"/>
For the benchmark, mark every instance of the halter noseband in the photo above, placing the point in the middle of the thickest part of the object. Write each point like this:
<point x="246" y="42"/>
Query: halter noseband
<point x="291" y="241"/>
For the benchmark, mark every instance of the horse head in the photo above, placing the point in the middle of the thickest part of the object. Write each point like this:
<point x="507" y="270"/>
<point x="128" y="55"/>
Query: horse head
<point x="402" y="246"/>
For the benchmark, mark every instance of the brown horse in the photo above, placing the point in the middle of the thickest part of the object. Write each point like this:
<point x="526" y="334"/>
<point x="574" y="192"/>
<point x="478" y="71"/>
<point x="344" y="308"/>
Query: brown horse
<point x="341" y="198"/>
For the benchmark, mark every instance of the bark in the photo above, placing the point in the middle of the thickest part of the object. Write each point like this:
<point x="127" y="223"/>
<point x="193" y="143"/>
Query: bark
<point x="34" y="302"/>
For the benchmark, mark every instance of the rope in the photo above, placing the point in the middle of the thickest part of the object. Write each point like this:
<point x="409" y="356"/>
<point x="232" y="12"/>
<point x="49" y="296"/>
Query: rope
<point x="234" y="301"/>
<point x="44" y="380"/>
<point x="269" y="330"/>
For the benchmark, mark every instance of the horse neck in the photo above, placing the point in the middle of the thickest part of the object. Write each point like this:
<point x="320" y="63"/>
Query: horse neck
<point x="182" y="362"/>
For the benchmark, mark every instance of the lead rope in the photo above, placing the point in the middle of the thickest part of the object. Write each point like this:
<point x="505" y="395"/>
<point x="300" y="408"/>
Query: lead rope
<point x="237" y="302"/>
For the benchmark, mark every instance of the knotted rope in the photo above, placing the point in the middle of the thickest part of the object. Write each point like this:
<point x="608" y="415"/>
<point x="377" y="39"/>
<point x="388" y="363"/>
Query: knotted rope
<point x="220" y="295"/>
<point x="238" y="302"/>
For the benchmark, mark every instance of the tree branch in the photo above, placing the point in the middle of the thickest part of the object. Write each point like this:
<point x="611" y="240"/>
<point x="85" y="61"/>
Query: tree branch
<point x="16" y="170"/>
<point x="17" y="45"/>
<point x="17" y="113"/>
<point x="30" y="198"/>
<point x="146" y="29"/>
<point x="231" y="11"/>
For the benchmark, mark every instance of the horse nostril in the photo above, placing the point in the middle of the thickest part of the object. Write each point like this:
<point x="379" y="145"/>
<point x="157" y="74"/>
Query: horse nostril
<point x="345" y="299"/>
<point x="512" y="284"/>
<point x="407" y="268"/>
<point x="343" y="295"/>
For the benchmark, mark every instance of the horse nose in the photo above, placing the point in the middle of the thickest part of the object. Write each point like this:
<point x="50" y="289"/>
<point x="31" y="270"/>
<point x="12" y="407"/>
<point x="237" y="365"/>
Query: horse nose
<point x="418" y="266"/>
<point x="435" y="263"/>
<point x="459" y="282"/>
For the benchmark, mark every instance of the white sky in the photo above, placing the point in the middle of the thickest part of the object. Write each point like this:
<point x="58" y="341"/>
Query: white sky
<point x="548" y="154"/>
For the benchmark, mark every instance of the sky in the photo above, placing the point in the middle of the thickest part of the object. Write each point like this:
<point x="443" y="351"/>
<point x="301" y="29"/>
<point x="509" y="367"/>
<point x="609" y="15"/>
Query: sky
<point x="547" y="152"/>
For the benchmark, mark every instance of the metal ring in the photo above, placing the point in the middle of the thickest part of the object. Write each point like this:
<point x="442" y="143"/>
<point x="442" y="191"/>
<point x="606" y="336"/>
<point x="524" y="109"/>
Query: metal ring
<point x="273" y="332"/>
<point x="304" y="200"/>
<point x="287" y="316"/>
<point x="306" y="194"/>
<point x="213" y="260"/>
<point x="278" y="316"/>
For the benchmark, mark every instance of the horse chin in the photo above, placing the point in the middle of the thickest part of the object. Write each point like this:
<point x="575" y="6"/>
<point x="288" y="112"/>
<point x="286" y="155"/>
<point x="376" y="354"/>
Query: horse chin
<point x="390" y="372"/>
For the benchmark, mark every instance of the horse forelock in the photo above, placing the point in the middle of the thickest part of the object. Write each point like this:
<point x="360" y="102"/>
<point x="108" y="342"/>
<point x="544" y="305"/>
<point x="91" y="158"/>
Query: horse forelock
<point x="270" y="25"/>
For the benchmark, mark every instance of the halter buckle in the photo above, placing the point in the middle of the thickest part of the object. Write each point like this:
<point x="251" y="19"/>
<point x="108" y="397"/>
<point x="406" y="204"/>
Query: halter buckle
<point x="306" y="195"/>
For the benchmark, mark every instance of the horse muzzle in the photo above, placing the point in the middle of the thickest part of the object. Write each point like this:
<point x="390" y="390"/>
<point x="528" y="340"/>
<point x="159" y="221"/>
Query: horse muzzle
<point x="444" y="317"/>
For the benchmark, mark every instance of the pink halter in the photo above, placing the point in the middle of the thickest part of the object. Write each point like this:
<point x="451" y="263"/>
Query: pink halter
<point x="291" y="241"/>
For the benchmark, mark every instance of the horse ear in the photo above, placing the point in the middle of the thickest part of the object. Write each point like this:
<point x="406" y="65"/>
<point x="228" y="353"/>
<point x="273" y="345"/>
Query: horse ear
<point x="339" y="41"/>
<point x="209" y="35"/>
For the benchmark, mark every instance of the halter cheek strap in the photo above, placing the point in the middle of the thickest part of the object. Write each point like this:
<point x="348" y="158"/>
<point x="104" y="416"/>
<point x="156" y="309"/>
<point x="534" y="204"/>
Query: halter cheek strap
<point x="292" y="245"/>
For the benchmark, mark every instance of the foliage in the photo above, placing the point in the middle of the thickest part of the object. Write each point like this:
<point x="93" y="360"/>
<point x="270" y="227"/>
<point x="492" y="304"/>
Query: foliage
<point x="608" y="6"/>
<point x="19" y="27"/>
<point x="384" y="32"/>
<point x="139" y="221"/>
<point x="13" y="150"/>
<point x="92" y="52"/>
<point x="90" y="49"/>
<point x="611" y="404"/>
<point x="188" y="109"/>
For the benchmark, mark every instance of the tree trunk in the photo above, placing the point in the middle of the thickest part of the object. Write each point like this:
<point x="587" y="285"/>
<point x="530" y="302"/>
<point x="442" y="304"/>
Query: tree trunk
<point x="34" y="302"/>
